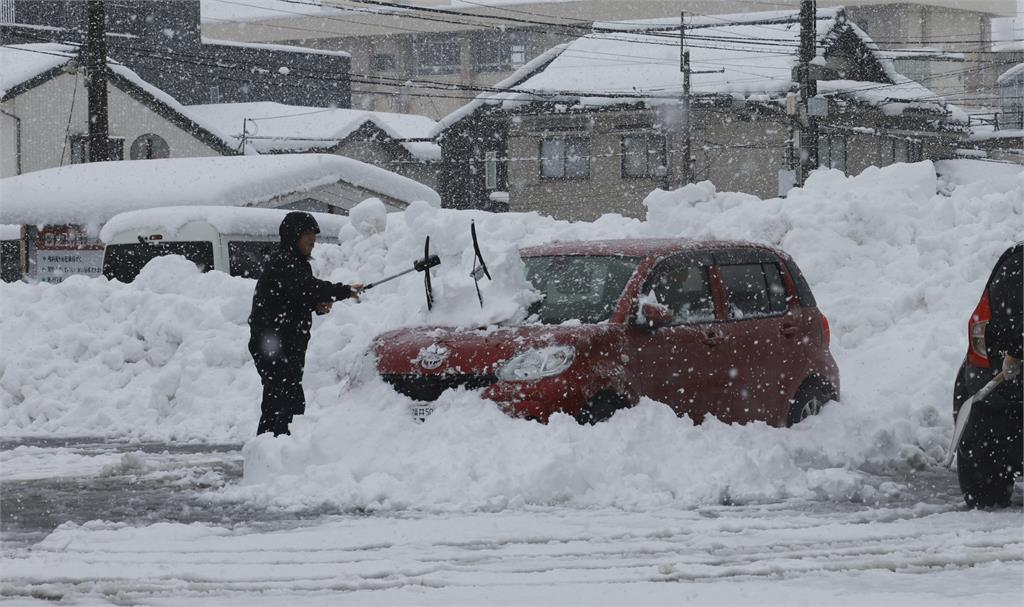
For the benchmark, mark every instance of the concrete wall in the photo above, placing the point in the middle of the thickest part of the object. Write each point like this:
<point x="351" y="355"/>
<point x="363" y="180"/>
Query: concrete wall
<point x="45" y="126"/>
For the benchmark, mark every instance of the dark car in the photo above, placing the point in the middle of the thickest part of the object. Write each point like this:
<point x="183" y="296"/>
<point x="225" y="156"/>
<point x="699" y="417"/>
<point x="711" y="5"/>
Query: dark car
<point x="727" y="329"/>
<point x="989" y="454"/>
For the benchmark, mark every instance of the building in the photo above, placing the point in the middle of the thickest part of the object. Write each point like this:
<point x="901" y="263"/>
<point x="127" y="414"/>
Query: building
<point x="44" y="115"/>
<point x="162" y="41"/>
<point x="430" y="56"/>
<point x="592" y="126"/>
<point x="400" y="143"/>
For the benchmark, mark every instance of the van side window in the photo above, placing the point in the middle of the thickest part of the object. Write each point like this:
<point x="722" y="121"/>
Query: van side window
<point x="246" y="257"/>
<point x="685" y="289"/>
<point x="748" y="292"/>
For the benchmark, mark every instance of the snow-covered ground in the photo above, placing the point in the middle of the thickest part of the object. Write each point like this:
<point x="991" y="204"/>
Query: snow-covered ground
<point x="473" y="507"/>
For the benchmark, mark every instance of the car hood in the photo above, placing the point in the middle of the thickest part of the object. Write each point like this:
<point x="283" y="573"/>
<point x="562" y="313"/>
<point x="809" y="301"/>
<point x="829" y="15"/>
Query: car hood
<point x="443" y="351"/>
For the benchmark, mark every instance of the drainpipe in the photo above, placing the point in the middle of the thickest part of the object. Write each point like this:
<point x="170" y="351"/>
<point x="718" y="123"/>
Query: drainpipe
<point x="17" y="140"/>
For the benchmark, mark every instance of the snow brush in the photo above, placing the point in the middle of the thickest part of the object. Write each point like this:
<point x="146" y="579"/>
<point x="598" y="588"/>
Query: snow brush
<point x="964" y="416"/>
<point x="420" y="265"/>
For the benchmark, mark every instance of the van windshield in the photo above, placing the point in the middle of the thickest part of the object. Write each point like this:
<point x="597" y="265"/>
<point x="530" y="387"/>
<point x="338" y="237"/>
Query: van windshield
<point x="124" y="261"/>
<point x="577" y="287"/>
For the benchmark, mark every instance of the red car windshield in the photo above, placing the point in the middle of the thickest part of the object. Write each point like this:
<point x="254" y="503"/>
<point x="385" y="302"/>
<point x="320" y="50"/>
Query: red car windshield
<point x="576" y="287"/>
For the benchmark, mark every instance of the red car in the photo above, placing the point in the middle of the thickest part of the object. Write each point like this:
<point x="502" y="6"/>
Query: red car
<point x="728" y="329"/>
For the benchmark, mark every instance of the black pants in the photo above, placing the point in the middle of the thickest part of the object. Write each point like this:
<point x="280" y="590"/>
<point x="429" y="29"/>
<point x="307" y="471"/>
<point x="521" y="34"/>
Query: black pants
<point x="280" y="366"/>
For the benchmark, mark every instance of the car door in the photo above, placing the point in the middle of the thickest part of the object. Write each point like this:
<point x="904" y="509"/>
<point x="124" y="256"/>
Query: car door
<point x="763" y="337"/>
<point x="680" y="364"/>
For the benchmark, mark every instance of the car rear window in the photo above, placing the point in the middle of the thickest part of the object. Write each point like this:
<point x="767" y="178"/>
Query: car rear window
<point x="124" y="261"/>
<point x="246" y="257"/>
<point x="753" y="289"/>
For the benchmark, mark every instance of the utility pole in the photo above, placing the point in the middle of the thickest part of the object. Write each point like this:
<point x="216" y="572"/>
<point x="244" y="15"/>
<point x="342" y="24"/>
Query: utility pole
<point x="808" y="152"/>
<point x="96" y="81"/>
<point x="684" y="67"/>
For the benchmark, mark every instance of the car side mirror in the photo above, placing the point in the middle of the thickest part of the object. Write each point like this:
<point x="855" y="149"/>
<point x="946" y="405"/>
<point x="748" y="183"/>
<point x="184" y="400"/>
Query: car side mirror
<point x="654" y="315"/>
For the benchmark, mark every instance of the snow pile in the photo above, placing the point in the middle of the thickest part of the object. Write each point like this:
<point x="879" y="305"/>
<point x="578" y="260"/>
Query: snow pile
<point x="895" y="267"/>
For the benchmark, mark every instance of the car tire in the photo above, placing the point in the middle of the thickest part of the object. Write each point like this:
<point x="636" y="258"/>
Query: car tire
<point x="601" y="407"/>
<point x="808" y="401"/>
<point x="985" y="472"/>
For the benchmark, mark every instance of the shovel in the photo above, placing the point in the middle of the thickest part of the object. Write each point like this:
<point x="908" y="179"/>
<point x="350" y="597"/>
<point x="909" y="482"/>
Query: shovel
<point x="964" y="415"/>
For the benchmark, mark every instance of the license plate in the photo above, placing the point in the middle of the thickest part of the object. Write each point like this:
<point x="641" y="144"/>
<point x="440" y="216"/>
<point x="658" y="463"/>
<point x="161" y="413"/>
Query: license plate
<point x="421" y="412"/>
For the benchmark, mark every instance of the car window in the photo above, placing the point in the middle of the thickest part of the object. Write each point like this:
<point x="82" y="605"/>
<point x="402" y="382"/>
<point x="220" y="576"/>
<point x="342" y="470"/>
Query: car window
<point x="246" y="257"/>
<point x="802" y="288"/>
<point x="1004" y="290"/>
<point x="684" y="288"/>
<point x="578" y="287"/>
<point x="753" y="289"/>
<point x="124" y="261"/>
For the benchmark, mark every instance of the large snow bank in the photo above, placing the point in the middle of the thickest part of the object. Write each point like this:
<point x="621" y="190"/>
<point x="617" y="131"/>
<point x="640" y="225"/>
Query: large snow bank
<point x="895" y="267"/>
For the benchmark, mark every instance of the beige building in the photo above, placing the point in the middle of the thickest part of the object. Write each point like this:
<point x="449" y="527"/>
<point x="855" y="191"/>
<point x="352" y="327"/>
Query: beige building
<point x="404" y="60"/>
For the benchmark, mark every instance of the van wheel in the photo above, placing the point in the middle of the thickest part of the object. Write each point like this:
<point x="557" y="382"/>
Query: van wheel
<point x="809" y="399"/>
<point x="601" y="407"/>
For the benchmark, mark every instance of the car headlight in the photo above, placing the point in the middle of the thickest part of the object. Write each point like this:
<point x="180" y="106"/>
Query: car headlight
<point x="537" y="363"/>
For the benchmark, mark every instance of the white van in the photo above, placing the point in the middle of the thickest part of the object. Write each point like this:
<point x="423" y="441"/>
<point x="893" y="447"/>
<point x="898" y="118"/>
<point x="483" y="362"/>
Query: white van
<point x="235" y="240"/>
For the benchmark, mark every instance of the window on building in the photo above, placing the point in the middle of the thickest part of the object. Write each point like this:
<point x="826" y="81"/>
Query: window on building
<point x="832" y="151"/>
<point x="437" y="55"/>
<point x="518" y="48"/>
<point x="492" y="54"/>
<point x="901" y="149"/>
<point x="565" y="158"/>
<point x="382" y="63"/>
<point x="643" y="155"/>
<point x="80" y="148"/>
<point x="491" y="170"/>
<point x="215" y="96"/>
<point x="148" y="147"/>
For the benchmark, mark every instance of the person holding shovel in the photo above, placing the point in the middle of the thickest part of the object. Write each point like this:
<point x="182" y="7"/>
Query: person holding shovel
<point x="286" y="296"/>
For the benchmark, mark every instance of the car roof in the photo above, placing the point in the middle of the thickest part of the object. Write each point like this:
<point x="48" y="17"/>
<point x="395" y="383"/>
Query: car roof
<point x="636" y="247"/>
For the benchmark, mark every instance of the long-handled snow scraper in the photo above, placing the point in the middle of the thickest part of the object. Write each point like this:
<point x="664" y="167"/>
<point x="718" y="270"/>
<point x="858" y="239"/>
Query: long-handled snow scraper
<point x="964" y="416"/>
<point x="420" y="265"/>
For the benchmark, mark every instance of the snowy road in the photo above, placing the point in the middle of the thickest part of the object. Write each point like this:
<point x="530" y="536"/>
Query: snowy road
<point x="168" y="543"/>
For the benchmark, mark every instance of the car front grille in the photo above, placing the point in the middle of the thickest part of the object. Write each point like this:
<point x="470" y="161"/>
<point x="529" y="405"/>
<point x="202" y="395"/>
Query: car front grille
<point x="430" y="387"/>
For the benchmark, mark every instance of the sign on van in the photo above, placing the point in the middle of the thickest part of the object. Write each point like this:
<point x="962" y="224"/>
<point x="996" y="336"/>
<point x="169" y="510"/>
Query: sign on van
<point x="65" y="250"/>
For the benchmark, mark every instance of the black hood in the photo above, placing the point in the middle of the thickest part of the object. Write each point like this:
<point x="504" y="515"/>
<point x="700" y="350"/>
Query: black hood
<point x="294" y="224"/>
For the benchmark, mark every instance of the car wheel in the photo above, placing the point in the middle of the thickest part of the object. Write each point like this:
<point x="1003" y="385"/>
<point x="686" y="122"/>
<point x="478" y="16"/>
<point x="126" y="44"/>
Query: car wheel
<point x="601" y="407"/>
<point x="809" y="400"/>
<point x="985" y="472"/>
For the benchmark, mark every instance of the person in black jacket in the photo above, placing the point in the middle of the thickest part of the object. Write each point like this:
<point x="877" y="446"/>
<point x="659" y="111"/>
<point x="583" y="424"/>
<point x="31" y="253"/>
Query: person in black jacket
<point x="286" y="296"/>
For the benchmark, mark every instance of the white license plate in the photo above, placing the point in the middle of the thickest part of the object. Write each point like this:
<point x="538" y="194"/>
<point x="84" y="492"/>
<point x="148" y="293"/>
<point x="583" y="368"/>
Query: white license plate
<point x="421" y="412"/>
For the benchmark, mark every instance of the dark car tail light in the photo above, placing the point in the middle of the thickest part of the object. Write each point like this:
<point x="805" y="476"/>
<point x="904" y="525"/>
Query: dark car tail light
<point x="977" y="353"/>
<point x="826" y="332"/>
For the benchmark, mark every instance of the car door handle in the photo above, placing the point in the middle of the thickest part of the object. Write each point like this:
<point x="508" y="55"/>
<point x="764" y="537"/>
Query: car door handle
<point x="789" y="330"/>
<point x="713" y="339"/>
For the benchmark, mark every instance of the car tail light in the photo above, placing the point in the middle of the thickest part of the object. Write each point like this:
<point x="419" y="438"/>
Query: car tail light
<point x="977" y="353"/>
<point x="826" y="332"/>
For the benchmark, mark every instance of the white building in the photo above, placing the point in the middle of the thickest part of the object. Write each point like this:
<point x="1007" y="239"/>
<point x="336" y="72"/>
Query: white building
<point x="44" y="114"/>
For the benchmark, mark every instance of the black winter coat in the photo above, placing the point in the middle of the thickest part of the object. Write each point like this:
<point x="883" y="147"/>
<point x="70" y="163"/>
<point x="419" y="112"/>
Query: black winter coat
<point x="286" y="296"/>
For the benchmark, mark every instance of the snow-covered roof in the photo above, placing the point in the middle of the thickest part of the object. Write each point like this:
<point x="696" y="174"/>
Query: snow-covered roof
<point x="227" y="220"/>
<point x="20" y="63"/>
<point x="275" y="126"/>
<point x="276" y="47"/>
<point x="750" y="58"/>
<point x="1016" y="71"/>
<point x="93" y="193"/>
